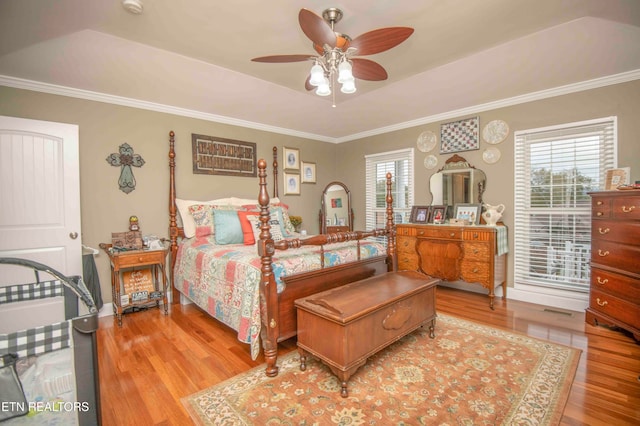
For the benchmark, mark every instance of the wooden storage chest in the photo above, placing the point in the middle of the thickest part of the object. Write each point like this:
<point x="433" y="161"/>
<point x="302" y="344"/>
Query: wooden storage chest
<point x="346" y="325"/>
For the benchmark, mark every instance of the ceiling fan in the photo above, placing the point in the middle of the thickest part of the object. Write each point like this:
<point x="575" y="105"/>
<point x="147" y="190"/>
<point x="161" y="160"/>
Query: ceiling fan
<point x="337" y="52"/>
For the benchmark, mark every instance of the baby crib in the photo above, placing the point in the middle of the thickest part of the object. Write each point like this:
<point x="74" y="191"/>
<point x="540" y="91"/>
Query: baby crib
<point x="57" y="362"/>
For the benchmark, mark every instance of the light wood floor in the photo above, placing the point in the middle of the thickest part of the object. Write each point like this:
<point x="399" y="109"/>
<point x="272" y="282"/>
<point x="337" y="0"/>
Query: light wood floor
<point x="154" y="360"/>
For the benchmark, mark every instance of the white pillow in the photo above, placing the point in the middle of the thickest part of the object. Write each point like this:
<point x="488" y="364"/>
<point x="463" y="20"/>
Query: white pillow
<point x="188" y="224"/>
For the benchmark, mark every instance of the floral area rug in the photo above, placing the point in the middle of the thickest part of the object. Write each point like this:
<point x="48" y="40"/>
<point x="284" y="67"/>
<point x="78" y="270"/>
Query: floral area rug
<point x="469" y="374"/>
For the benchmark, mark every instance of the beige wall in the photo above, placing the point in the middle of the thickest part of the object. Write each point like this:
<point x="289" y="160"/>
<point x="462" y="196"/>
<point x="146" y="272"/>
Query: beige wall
<point x="621" y="100"/>
<point x="104" y="127"/>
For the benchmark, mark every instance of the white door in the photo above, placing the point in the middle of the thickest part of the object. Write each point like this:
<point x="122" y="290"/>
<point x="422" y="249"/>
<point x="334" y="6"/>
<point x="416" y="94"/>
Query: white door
<point x="39" y="196"/>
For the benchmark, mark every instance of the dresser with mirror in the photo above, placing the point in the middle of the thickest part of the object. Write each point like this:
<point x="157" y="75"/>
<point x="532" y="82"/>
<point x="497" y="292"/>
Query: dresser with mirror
<point x="469" y="254"/>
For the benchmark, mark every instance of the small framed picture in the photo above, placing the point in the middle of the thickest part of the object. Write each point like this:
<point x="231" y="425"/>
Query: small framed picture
<point x="617" y="177"/>
<point x="291" y="158"/>
<point x="308" y="172"/>
<point x="438" y="214"/>
<point x="420" y="214"/>
<point x="291" y="184"/>
<point x="469" y="212"/>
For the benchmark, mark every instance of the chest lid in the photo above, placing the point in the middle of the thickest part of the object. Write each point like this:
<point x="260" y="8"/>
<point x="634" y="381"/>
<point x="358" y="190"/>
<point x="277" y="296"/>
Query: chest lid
<point x="352" y="301"/>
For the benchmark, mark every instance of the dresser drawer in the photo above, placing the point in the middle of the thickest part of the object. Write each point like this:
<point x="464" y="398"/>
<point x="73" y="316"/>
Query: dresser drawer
<point x="477" y="235"/>
<point x="600" y="208"/>
<point x="407" y="254"/>
<point x="446" y="233"/>
<point x="405" y="230"/>
<point x="615" y="307"/>
<point x="617" y="285"/>
<point x="621" y="232"/>
<point x="476" y="251"/>
<point x="626" y="208"/>
<point x="615" y="255"/>
<point x="475" y="272"/>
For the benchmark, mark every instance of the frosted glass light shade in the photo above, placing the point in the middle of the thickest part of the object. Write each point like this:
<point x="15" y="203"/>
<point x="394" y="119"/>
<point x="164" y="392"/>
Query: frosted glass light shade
<point x="344" y="72"/>
<point x="317" y="75"/>
<point x="349" y="86"/>
<point x="324" y="89"/>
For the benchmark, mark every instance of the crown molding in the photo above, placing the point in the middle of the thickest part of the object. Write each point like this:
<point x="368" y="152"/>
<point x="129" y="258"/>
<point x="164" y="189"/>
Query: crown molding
<point x="37" y="86"/>
<point x="516" y="100"/>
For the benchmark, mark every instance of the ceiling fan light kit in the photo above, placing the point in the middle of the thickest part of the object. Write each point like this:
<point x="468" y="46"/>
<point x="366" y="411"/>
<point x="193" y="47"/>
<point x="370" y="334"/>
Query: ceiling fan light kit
<point x="336" y="63"/>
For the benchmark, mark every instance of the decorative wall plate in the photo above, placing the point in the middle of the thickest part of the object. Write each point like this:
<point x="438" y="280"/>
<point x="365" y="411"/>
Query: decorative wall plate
<point x="491" y="155"/>
<point x="426" y="141"/>
<point x="495" y="131"/>
<point x="430" y="161"/>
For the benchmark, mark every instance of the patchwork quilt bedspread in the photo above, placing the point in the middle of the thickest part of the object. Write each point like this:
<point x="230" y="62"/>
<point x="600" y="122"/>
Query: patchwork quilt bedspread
<point x="225" y="280"/>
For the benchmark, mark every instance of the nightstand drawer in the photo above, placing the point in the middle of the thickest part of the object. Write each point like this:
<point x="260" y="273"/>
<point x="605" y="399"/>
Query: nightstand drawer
<point x="138" y="258"/>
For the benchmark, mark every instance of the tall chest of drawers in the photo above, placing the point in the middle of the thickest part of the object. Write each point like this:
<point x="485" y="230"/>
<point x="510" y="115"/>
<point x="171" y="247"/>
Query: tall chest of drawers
<point x="614" y="297"/>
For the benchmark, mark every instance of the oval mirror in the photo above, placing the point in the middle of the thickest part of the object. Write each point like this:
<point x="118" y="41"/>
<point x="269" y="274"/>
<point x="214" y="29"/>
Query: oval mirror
<point x="457" y="182"/>
<point x="336" y="214"/>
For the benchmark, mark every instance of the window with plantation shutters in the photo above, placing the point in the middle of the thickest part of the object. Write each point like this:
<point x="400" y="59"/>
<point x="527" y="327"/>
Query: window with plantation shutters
<point x="555" y="168"/>
<point x="400" y="164"/>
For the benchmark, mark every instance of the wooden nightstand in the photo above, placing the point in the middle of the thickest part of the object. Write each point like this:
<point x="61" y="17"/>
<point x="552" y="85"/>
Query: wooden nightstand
<point x="122" y="261"/>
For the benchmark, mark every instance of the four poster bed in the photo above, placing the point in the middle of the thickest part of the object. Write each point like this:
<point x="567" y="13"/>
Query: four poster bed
<point x="251" y="285"/>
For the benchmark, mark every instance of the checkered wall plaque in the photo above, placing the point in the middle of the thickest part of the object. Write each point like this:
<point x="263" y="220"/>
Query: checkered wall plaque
<point x="462" y="135"/>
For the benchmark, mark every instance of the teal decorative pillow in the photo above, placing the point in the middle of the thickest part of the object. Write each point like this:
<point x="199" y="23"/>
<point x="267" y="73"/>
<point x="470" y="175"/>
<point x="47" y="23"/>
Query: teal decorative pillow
<point x="228" y="228"/>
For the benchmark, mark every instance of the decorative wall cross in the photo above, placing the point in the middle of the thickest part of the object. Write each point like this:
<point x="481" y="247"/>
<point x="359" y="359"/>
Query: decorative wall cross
<point x="125" y="159"/>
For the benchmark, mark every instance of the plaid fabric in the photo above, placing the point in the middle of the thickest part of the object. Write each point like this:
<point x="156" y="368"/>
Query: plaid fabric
<point x="501" y="240"/>
<point x="20" y="292"/>
<point x="38" y="340"/>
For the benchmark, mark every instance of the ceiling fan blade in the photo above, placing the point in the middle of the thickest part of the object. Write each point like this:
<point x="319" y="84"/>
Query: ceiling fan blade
<point x="308" y="85"/>
<point x="314" y="27"/>
<point x="365" y="69"/>
<point x="283" y="58"/>
<point x="379" y="40"/>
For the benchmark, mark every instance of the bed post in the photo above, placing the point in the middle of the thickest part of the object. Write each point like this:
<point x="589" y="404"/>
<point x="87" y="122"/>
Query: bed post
<point x="269" y="312"/>
<point x="173" y="224"/>
<point x="275" y="172"/>
<point x="391" y="229"/>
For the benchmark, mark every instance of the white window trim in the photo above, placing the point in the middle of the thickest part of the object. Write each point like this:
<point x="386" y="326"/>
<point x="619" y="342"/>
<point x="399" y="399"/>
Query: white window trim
<point x="387" y="156"/>
<point x="560" y="298"/>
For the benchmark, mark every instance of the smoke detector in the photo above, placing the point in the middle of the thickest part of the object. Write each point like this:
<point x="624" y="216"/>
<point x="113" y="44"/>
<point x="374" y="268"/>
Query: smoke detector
<point x="133" y="6"/>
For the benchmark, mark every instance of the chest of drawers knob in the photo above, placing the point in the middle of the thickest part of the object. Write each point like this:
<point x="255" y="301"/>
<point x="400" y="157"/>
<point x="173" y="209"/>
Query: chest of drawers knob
<point x="626" y="209"/>
<point x="603" y="253"/>
<point x="599" y="214"/>
<point x="601" y="281"/>
<point x="603" y="231"/>
<point x="603" y="303"/>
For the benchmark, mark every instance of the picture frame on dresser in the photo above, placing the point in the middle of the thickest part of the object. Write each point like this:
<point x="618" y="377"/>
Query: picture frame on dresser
<point x="617" y="177"/>
<point x="438" y="214"/>
<point x="420" y="214"/>
<point x="468" y="212"/>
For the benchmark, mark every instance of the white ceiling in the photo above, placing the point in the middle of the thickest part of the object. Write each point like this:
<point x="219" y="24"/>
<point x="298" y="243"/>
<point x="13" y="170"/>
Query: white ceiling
<point x="192" y="57"/>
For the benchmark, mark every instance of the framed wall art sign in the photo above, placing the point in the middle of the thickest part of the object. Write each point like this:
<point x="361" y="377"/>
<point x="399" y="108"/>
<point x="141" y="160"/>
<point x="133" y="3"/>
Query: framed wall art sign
<point x="462" y="135"/>
<point x="308" y="172"/>
<point x="291" y="158"/>
<point x="219" y="156"/>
